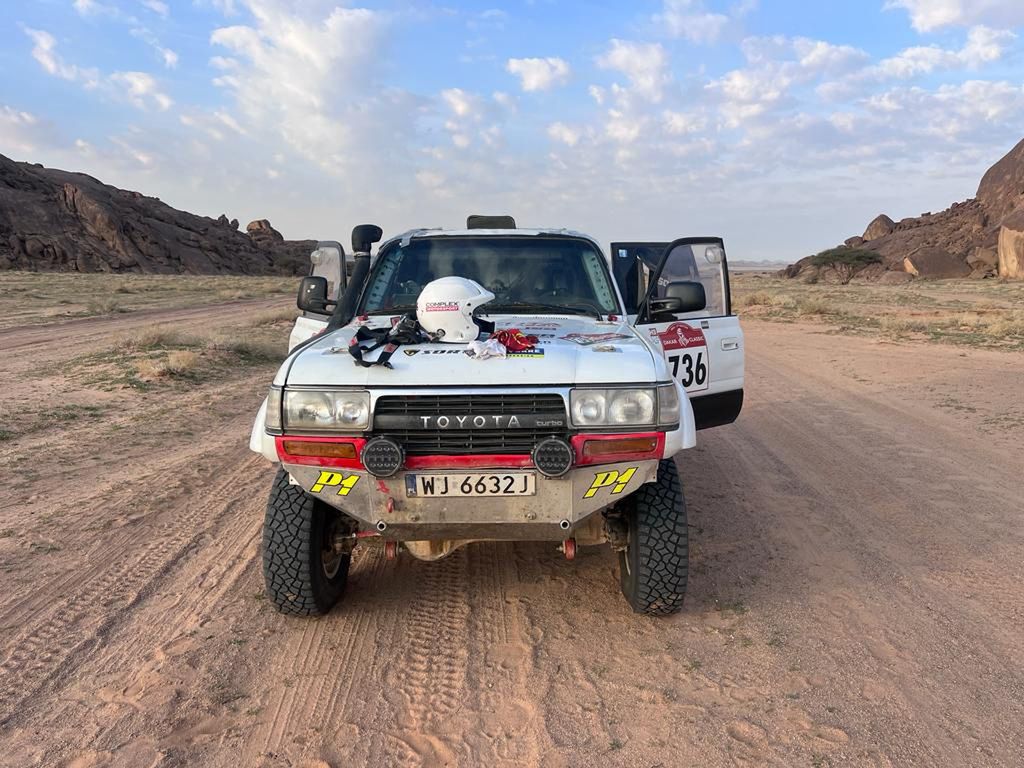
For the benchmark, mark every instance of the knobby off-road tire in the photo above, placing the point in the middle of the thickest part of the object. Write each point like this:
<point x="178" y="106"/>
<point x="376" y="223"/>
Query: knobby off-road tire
<point x="302" y="575"/>
<point x="653" y="568"/>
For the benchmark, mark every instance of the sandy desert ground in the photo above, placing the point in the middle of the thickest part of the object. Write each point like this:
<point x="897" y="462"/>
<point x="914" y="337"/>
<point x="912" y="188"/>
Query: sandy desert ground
<point x="856" y="594"/>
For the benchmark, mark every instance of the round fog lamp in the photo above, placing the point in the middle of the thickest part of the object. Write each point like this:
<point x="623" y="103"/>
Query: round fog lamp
<point x="382" y="456"/>
<point x="553" y="457"/>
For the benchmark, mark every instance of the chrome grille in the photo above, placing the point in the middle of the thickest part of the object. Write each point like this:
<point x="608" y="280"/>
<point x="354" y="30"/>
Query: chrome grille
<point x="455" y="441"/>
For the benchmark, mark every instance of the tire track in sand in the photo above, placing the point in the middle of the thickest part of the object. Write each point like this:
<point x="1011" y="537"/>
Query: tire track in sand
<point x="53" y="645"/>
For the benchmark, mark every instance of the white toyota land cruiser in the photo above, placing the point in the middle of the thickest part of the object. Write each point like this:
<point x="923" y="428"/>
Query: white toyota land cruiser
<point x="389" y="435"/>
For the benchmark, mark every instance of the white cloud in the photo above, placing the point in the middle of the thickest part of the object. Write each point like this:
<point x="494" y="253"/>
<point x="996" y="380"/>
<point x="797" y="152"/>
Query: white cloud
<point x="690" y="19"/>
<point x="158" y="7"/>
<point x="983" y="46"/>
<point x="44" y="51"/>
<point x="539" y="74"/>
<point x="19" y="130"/>
<point x="929" y="15"/>
<point x="624" y="128"/>
<point x="645" y="65"/>
<point x="167" y="56"/>
<point x="564" y="133"/>
<point x="682" y="123"/>
<point x="460" y="102"/>
<point x="86" y="7"/>
<point x="141" y="89"/>
<point x="226" y="7"/>
<point x="308" y="76"/>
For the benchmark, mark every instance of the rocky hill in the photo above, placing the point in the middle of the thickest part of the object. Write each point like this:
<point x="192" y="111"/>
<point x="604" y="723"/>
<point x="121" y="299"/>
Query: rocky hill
<point x="981" y="237"/>
<point x="52" y="220"/>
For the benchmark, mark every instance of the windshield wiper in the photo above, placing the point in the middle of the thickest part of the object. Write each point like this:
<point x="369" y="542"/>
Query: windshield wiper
<point x="490" y="309"/>
<point x="400" y="309"/>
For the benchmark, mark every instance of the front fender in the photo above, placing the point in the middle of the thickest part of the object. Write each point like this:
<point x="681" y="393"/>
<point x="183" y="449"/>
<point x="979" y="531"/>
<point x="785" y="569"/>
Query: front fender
<point x="259" y="441"/>
<point x="685" y="436"/>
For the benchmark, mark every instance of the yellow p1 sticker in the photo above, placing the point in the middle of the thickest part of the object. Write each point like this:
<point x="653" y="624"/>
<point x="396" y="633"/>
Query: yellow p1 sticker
<point x="612" y="478"/>
<point x="335" y="480"/>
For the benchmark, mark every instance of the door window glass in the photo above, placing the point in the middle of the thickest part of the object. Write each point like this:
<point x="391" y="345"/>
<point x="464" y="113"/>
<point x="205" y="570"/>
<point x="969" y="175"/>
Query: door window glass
<point x="327" y="264"/>
<point x="702" y="263"/>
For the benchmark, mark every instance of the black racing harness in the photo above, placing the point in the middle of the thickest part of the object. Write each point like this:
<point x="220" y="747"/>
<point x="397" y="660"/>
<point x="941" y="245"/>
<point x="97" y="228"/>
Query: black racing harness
<point x="404" y="332"/>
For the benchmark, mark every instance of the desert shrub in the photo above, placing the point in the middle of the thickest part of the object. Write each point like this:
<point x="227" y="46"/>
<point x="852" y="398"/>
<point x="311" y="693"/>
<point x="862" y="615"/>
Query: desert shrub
<point x="104" y="307"/>
<point x="274" y="316"/>
<point x="756" y="299"/>
<point x="847" y="262"/>
<point x="159" y="337"/>
<point x="812" y="307"/>
<point x="178" y="363"/>
<point x="249" y="351"/>
<point x="897" y="324"/>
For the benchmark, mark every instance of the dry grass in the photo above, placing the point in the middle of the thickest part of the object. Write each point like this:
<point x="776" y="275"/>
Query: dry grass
<point x="33" y="297"/>
<point x="984" y="313"/>
<point x="179" y="363"/>
<point x="274" y="316"/>
<point x="162" y="353"/>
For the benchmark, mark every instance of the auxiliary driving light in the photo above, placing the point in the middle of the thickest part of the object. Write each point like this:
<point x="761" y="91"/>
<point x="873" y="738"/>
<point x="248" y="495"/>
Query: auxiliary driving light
<point x="382" y="456"/>
<point x="553" y="457"/>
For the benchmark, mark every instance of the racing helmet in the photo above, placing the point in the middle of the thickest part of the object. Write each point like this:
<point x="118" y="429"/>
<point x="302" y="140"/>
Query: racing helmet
<point x="445" y="309"/>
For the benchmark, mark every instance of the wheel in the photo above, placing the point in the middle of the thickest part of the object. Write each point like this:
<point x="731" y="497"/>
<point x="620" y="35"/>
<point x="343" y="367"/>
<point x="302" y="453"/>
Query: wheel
<point x="653" y="567"/>
<point x="304" y="576"/>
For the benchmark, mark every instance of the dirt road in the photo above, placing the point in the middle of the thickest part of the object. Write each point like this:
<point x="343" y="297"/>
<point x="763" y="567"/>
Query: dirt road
<point x="855" y="596"/>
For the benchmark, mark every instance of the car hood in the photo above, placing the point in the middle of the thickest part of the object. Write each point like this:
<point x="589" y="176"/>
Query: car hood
<point x="571" y="350"/>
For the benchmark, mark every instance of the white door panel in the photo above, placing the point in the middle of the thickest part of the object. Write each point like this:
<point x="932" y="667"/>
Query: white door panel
<point x="704" y="348"/>
<point x="305" y="328"/>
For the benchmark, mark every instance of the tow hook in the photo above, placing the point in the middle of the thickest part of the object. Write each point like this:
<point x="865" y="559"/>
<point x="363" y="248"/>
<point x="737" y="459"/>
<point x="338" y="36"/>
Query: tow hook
<point x="568" y="548"/>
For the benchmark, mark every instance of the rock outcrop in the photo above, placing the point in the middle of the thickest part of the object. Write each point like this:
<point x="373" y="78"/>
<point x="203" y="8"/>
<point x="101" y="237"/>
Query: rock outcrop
<point x="880" y="227"/>
<point x="935" y="263"/>
<point x="1002" y="188"/>
<point x="1011" y="246"/>
<point x="975" y="238"/>
<point x="52" y="220"/>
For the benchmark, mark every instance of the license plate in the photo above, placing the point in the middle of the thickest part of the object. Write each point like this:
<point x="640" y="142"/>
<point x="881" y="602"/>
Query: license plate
<point x="480" y="484"/>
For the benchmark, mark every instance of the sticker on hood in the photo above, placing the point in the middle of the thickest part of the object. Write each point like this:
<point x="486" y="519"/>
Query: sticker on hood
<point x="586" y="339"/>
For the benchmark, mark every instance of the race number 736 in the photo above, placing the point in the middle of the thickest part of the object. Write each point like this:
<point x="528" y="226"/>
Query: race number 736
<point x="690" y="368"/>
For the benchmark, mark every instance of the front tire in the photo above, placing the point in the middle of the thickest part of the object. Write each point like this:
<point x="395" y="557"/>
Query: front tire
<point x="303" y="574"/>
<point x="654" y="566"/>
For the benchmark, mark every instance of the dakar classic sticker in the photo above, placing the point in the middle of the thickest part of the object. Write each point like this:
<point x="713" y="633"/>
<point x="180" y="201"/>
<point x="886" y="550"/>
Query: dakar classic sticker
<point x="586" y="339"/>
<point x="686" y="350"/>
<point x="680" y="336"/>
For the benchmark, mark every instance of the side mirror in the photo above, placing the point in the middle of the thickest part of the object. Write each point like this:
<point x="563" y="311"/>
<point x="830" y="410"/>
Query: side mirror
<point x="313" y="295"/>
<point x="690" y="295"/>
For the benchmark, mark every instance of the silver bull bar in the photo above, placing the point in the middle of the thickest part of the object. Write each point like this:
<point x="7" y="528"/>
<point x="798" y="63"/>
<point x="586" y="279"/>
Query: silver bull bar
<point x="559" y="506"/>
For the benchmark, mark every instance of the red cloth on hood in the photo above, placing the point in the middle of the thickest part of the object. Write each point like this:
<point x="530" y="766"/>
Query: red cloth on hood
<point x="514" y="340"/>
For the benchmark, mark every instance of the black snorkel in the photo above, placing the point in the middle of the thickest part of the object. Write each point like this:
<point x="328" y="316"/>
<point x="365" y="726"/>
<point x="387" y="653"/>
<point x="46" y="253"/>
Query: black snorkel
<point x="363" y="238"/>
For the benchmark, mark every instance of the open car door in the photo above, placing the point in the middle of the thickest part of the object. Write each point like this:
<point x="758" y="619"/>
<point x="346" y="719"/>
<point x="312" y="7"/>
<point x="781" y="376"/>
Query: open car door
<point x="703" y="344"/>
<point x="327" y="261"/>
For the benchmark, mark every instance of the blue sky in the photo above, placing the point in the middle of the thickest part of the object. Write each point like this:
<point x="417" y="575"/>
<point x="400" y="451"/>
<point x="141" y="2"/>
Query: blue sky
<point x="781" y="125"/>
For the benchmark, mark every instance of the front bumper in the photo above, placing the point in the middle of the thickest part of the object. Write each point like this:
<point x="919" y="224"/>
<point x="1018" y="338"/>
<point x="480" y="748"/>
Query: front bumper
<point x="559" y="506"/>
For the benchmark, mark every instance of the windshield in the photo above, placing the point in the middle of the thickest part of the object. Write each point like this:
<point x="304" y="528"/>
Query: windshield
<point x="553" y="271"/>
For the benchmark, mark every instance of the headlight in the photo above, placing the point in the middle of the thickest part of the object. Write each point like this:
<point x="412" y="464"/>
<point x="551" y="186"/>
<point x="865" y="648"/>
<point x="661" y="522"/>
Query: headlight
<point x="613" y="407"/>
<point x="668" y="405"/>
<point x="272" y="421"/>
<point x="330" y="410"/>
